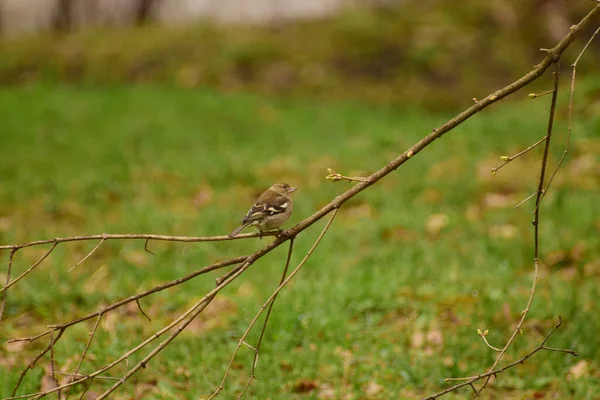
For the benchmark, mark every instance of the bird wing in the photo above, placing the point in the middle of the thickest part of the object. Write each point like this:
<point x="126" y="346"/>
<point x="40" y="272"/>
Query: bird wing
<point x="262" y="209"/>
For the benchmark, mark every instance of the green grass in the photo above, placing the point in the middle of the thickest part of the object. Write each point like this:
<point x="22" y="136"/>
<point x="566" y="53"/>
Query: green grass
<point x="384" y="300"/>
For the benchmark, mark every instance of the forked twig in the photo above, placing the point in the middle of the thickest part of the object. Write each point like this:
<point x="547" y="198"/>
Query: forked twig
<point x="28" y="270"/>
<point x="468" y="381"/>
<point x="536" y="220"/>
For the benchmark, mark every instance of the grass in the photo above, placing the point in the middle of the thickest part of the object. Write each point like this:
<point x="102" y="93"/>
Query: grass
<point x="388" y="305"/>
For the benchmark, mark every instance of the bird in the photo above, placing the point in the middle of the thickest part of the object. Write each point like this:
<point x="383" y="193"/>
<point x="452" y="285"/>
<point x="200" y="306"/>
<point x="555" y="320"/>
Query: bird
<point x="270" y="211"/>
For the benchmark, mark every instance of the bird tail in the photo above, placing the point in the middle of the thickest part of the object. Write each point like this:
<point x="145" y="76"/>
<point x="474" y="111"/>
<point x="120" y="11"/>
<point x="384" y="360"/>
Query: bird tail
<point x="239" y="229"/>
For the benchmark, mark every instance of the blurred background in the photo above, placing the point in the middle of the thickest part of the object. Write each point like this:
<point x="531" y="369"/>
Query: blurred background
<point x="172" y="116"/>
<point x="423" y="52"/>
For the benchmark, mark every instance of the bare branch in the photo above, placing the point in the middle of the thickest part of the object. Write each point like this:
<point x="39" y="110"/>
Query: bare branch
<point x="134" y="236"/>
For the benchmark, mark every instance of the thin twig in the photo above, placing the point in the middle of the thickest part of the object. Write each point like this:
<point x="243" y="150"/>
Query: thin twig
<point x="536" y="222"/>
<point x="8" y="271"/>
<point x="536" y="95"/>
<point x="334" y="176"/>
<point x="88" y="255"/>
<point x="269" y="300"/>
<point x="508" y="159"/>
<point x="52" y="363"/>
<point x="137" y="301"/>
<point x="38" y="262"/>
<point x="84" y="353"/>
<point x="489" y="345"/>
<point x="531" y="196"/>
<point x="146" y="247"/>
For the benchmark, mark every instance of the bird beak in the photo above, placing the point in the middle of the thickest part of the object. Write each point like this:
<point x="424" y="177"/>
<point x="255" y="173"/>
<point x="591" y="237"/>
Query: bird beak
<point x="292" y="189"/>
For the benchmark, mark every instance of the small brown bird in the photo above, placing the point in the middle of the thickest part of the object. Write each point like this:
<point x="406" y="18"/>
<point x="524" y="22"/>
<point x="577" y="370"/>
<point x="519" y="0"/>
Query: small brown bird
<point x="270" y="211"/>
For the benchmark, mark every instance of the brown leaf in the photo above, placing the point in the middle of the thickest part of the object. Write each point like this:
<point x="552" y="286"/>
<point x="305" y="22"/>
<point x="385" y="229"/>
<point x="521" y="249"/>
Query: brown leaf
<point x="304" y="386"/>
<point x="285" y="366"/>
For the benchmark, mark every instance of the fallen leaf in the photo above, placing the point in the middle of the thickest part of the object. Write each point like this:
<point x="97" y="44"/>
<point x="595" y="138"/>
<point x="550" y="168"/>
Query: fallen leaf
<point x="138" y="258"/>
<point x="503" y="231"/>
<point x="435" y="337"/>
<point x="304" y="386"/>
<point x="372" y="389"/>
<point x="285" y="366"/>
<point x="417" y="340"/>
<point x="498" y="200"/>
<point x="327" y="392"/>
<point x="579" y="370"/>
<point x="15" y="347"/>
<point x="435" y="223"/>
